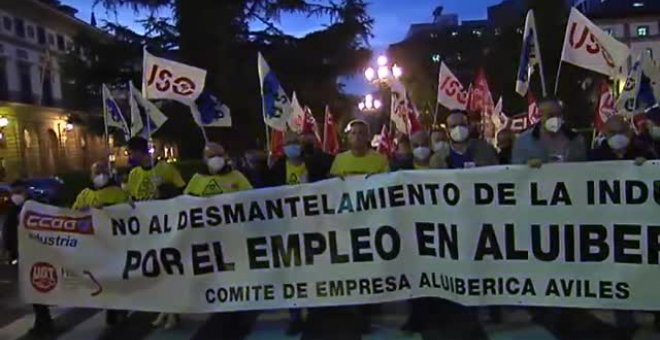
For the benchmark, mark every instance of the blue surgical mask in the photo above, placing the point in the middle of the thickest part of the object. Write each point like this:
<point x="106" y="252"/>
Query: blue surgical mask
<point x="292" y="150"/>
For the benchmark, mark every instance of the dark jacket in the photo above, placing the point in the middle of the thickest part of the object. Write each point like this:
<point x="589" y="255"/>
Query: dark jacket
<point x="10" y="231"/>
<point x="603" y="152"/>
<point x="318" y="165"/>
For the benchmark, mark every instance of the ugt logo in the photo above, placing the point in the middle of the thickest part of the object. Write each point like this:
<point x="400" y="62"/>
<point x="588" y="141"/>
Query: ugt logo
<point x="163" y="79"/>
<point x="592" y="46"/>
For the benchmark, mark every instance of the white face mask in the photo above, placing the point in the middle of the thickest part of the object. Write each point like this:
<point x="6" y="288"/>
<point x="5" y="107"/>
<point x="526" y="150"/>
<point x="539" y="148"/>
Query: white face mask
<point x="459" y="134"/>
<point x="421" y="153"/>
<point x="618" y="142"/>
<point x="655" y="132"/>
<point x="101" y="180"/>
<point x="441" y="147"/>
<point x="17" y="199"/>
<point x="216" y="164"/>
<point x="554" y="124"/>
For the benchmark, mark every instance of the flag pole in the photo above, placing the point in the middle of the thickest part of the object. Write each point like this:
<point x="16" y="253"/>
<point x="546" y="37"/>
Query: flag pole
<point x="105" y="123"/>
<point x="148" y="120"/>
<point x="557" y="79"/>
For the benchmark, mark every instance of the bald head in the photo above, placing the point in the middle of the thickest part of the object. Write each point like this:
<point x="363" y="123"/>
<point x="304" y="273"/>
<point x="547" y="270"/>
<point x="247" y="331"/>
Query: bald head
<point x="213" y="150"/>
<point x="457" y="119"/>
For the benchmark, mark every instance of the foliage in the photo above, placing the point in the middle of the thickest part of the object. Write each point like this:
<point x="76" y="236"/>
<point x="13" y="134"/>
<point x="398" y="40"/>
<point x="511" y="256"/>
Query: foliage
<point x="217" y="36"/>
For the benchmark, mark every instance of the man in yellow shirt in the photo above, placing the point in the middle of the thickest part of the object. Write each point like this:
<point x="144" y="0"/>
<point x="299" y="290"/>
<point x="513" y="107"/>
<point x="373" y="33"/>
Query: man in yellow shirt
<point x="221" y="177"/>
<point x="104" y="192"/>
<point x="147" y="180"/>
<point x="360" y="159"/>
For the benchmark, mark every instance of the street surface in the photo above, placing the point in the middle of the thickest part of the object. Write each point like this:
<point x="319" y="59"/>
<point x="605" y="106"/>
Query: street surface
<point x="86" y="324"/>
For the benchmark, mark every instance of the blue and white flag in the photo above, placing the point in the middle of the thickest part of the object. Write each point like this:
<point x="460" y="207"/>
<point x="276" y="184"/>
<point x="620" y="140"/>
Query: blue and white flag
<point x="142" y="110"/>
<point x="642" y="88"/>
<point x="276" y="104"/>
<point x="208" y="110"/>
<point x="112" y="115"/>
<point x="530" y="57"/>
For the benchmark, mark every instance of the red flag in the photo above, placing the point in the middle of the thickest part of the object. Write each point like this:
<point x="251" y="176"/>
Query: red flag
<point x="330" y="140"/>
<point x="413" y="122"/>
<point x="276" y="142"/>
<point x="481" y="100"/>
<point x="533" y="114"/>
<point x="606" y="106"/>
<point x="386" y="143"/>
<point x="310" y="125"/>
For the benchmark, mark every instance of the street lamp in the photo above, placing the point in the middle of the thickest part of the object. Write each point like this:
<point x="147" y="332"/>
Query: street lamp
<point x="370" y="104"/>
<point x="383" y="74"/>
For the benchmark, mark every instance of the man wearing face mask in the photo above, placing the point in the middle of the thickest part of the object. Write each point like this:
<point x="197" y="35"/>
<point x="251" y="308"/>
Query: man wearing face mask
<point x="104" y="192"/>
<point x="43" y="322"/>
<point x="147" y="180"/>
<point x="421" y="150"/>
<point x="618" y="143"/>
<point x="441" y="148"/>
<point x="466" y="152"/>
<point x="221" y="178"/>
<point x="550" y="141"/>
<point x="650" y="132"/>
<point x="301" y="164"/>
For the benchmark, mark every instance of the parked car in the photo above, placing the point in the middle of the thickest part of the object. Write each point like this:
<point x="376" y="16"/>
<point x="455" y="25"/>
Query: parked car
<point x="42" y="189"/>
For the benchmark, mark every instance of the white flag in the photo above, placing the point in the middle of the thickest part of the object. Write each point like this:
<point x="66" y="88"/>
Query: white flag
<point x="451" y="93"/>
<point x="297" y="118"/>
<point x="112" y="115"/>
<point x="208" y="110"/>
<point x="148" y="113"/>
<point x="530" y="56"/>
<point x="276" y="104"/>
<point x="498" y="117"/>
<point x="642" y="88"/>
<point x="589" y="47"/>
<point x="167" y="79"/>
<point x="136" y="118"/>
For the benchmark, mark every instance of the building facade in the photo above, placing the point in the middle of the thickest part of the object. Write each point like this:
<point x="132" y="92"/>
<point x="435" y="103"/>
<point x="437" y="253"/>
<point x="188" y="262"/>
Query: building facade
<point x="38" y="135"/>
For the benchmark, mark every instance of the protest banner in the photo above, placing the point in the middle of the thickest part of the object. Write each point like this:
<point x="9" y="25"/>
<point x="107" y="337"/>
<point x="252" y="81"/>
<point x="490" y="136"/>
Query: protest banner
<point x="571" y="235"/>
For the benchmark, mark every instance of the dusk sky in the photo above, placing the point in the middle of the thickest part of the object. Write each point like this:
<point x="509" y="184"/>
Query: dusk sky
<point x="392" y="19"/>
<point x="392" y="16"/>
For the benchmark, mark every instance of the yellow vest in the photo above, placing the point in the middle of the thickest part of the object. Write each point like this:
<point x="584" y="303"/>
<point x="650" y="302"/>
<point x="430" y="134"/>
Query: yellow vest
<point x="93" y="198"/>
<point x="141" y="181"/>
<point x="347" y="164"/>
<point x="210" y="185"/>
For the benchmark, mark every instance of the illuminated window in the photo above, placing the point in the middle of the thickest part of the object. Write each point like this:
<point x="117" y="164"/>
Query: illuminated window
<point x="642" y="31"/>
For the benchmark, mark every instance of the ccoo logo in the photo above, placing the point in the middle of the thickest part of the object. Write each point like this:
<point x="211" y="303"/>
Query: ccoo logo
<point x="43" y="222"/>
<point x="43" y="277"/>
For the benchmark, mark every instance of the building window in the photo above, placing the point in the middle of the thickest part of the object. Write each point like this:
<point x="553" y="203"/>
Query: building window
<point x="642" y="31"/>
<point x="650" y="52"/>
<point x="6" y="21"/>
<point x="51" y="40"/>
<point x="22" y="54"/>
<point x="41" y="35"/>
<point x="60" y="42"/>
<point x="4" y="88"/>
<point x="30" y="32"/>
<point x="19" y="27"/>
<point x="25" y="79"/>
<point x="46" y="87"/>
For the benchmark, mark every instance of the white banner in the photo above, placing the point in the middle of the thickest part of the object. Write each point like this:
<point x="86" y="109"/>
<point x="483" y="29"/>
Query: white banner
<point x="588" y="46"/>
<point x="573" y="235"/>
<point x="167" y="79"/>
<point x="451" y="93"/>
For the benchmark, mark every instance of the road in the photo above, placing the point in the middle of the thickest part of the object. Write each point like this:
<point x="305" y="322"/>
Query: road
<point x="85" y="324"/>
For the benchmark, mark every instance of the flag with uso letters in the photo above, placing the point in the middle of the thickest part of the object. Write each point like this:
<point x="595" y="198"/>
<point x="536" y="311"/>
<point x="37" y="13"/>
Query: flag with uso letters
<point x="167" y="79"/>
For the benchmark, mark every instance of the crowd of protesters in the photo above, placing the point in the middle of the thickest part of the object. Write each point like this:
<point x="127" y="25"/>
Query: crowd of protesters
<point x="456" y="146"/>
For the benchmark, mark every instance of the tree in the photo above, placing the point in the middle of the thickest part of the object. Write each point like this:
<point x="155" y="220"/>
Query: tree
<point x="215" y="35"/>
